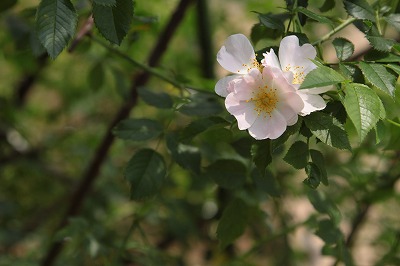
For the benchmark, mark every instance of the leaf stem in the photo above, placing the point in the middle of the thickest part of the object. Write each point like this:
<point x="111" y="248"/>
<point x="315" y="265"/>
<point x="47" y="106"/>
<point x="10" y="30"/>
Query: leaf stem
<point x="341" y="26"/>
<point x="151" y="70"/>
<point x="392" y="122"/>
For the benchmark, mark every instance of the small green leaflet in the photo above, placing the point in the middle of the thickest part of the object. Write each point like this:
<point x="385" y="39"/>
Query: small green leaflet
<point x="55" y="25"/>
<point x="380" y="43"/>
<point x="160" y="100"/>
<point x="273" y="21"/>
<point x="362" y="106"/>
<point x="318" y="159"/>
<point x="105" y="2"/>
<point x="200" y="125"/>
<point x="186" y="156"/>
<point x="227" y="173"/>
<point x="297" y="155"/>
<point x="378" y="75"/>
<point x="320" y="77"/>
<point x="233" y="222"/>
<point x="314" y="16"/>
<point x="113" y="22"/>
<point x="359" y="9"/>
<point x="394" y="20"/>
<point x="146" y="173"/>
<point x="344" y="48"/>
<point x="138" y="129"/>
<point x="261" y="154"/>
<point x="313" y="175"/>
<point x="328" y="130"/>
<point x="395" y="68"/>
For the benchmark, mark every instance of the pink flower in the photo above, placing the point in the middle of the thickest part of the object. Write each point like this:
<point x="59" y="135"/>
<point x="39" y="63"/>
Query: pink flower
<point x="263" y="103"/>
<point x="294" y="61"/>
<point x="237" y="56"/>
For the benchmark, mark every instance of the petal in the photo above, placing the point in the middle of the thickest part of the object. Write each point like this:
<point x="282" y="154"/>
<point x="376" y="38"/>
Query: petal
<point x="292" y="55"/>
<point x="243" y="111"/>
<point x="245" y="87"/>
<point x="237" y="54"/>
<point x="311" y="102"/>
<point x="270" y="59"/>
<point x="222" y="87"/>
<point x="290" y="108"/>
<point x="268" y="126"/>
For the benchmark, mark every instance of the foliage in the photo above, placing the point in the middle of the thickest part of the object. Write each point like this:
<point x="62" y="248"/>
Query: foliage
<point x="117" y="158"/>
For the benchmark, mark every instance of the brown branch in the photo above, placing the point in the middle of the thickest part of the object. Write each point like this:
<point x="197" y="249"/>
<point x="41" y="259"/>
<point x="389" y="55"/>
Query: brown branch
<point x="92" y="172"/>
<point x="26" y="83"/>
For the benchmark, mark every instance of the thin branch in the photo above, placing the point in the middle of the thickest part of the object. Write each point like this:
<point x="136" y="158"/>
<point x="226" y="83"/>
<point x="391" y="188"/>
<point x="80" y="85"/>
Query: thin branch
<point x="204" y="39"/>
<point x="92" y="172"/>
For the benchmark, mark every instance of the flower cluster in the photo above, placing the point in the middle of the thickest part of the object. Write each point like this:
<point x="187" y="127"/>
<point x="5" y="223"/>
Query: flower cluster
<point x="265" y="97"/>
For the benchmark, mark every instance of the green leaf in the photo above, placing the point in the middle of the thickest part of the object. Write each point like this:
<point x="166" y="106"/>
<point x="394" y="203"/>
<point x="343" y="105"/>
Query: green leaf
<point x="297" y="155"/>
<point x="260" y="32"/>
<point x="363" y="107"/>
<point x="7" y="4"/>
<point x="160" y="100"/>
<point x="328" y="130"/>
<point x="379" y="77"/>
<point x="145" y="173"/>
<point x="138" y="129"/>
<point x="202" y="105"/>
<point x="318" y="159"/>
<point x="261" y="155"/>
<point x="380" y="43"/>
<point x="233" y="222"/>
<point x="96" y="76"/>
<point x="320" y="77"/>
<point x="328" y="232"/>
<point x="359" y="9"/>
<point x="114" y="22"/>
<point x="273" y="21"/>
<point x="316" y="17"/>
<point x="328" y="5"/>
<point x="105" y="2"/>
<point x="186" y="156"/>
<point x="352" y="72"/>
<point x="395" y="68"/>
<point x="228" y="174"/>
<point x="394" y="20"/>
<point x="378" y="56"/>
<point x="344" y="48"/>
<point x="243" y="146"/>
<point x="200" y="125"/>
<point x="323" y="204"/>
<point x="55" y="24"/>
<point x="266" y="183"/>
<point x="313" y="175"/>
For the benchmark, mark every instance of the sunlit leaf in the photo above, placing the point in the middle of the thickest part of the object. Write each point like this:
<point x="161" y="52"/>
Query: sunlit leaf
<point x="320" y="77"/>
<point x="114" y="22"/>
<point x="363" y="107"/>
<point x="145" y="173"/>
<point x="55" y="24"/>
<point x="378" y="75"/>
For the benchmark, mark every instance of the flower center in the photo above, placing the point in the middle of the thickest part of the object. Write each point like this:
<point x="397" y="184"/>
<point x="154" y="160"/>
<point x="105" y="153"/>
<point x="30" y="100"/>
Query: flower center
<point x="265" y="100"/>
<point x="254" y="64"/>
<point x="298" y="73"/>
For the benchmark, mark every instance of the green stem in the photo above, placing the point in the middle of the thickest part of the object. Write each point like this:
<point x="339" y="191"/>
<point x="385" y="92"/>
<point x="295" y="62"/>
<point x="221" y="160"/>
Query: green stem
<point x="392" y="122"/>
<point x="343" y="25"/>
<point x="151" y="70"/>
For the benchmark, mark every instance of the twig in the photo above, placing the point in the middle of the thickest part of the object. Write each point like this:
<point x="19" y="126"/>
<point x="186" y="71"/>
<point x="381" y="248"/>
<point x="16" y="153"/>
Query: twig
<point x="92" y="172"/>
<point x="204" y="39"/>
